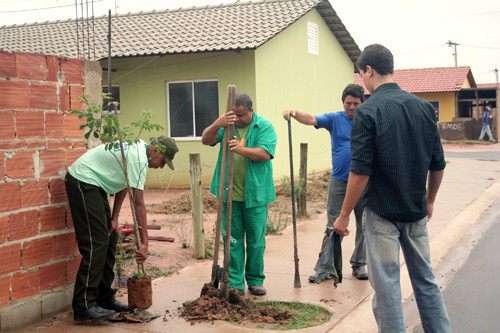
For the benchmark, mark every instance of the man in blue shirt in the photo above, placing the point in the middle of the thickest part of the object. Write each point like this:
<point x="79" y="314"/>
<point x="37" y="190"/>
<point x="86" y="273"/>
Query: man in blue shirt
<point x="339" y="124"/>
<point x="486" y="125"/>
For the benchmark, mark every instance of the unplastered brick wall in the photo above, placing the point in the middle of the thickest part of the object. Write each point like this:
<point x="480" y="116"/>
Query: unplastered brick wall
<point x="39" y="139"/>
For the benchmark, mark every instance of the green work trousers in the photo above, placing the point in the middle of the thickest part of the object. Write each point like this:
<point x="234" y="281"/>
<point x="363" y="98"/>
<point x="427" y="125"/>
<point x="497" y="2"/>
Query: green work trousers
<point x="92" y="220"/>
<point x="252" y="223"/>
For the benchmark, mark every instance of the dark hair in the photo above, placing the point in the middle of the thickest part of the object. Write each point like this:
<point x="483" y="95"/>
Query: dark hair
<point x="377" y="57"/>
<point x="354" y="90"/>
<point x="243" y="99"/>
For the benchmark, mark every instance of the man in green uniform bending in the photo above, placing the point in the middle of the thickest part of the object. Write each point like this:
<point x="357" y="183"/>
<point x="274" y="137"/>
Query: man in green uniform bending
<point x="89" y="180"/>
<point x="254" y="145"/>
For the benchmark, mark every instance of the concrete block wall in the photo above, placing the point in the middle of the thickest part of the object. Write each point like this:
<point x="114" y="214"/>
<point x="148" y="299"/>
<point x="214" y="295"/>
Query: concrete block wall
<point x="39" y="139"/>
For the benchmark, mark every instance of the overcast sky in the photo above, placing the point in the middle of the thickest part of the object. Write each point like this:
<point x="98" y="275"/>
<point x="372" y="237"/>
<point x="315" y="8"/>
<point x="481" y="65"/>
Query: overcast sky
<point x="417" y="32"/>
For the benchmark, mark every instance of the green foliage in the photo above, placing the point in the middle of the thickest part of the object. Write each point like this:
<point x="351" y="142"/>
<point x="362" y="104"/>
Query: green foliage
<point x="304" y="315"/>
<point x="137" y="276"/>
<point x="106" y="126"/>
<point x="155" y="270"/>
<point x="275" y="223"/>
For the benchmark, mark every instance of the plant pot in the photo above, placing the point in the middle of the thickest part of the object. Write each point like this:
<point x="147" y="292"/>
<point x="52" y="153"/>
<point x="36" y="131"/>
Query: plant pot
<point x="140" y="293"/>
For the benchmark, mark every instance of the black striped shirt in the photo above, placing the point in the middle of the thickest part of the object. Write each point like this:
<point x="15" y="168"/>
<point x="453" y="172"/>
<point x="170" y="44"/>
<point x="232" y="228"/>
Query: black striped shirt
<point x="395" y="140"/>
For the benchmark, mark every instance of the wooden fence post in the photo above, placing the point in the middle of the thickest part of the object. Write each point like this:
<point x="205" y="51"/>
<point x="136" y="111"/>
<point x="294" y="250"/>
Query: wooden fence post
<point x="303" y="180"/>
<point x="197" y="208"/>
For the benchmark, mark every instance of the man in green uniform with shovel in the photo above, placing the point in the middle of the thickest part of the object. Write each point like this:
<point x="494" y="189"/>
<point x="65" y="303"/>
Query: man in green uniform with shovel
<point x="253" y="146"/>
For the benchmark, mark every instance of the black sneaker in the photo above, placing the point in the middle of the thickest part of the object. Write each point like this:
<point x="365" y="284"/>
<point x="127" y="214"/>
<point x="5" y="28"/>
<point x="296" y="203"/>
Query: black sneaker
<point x="116" y="306"/>
<point x="95" y="313"/>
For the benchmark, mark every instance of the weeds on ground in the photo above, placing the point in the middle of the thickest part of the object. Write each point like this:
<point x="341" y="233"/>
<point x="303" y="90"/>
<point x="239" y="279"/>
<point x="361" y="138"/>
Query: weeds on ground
<point x="276" y="223"/>
<point x="304" y="315"/>
<point x="121" y="260"/>
<point x="156" y="271"/>
<point x="182" y="232"/>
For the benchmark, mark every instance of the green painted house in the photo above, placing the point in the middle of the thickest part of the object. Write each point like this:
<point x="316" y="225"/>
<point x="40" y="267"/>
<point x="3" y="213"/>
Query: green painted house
<point x="178" y="63"/>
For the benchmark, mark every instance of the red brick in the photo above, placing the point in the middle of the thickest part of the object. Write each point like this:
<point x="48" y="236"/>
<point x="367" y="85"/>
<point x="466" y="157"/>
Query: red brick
<point x="72" y="155"/>
<point x="4" y="290"/>
<point x="57" y="191"/>
<point x="7" y="130"/>
<point x="30" y="124"/>
<point x="20" y="165"/>
<point x="64" y="98"/>
<point x="52" y="218"/>
<point x="35" y="193"/>
<point x="52" y="161"/>
<point x="52" y="68"/>
<point x="72" y="70"/>
<point x="63" y="246"/>
<point x="53" y="276"/>
<point x="7" y="65"/>
<point x="15" y="95"/>
<point x="4" y="228"/>
<point x="36" y="144"/>
<point x="10" y="198"/>
<point x="72" y="126"/>
<point x="25" y="284"/>
<point x="43" y="96"/>
<point x="23" y="225"/>
<point x="10" y="258"/>
<point x="35" y="252"/>
<point x="74" y="102"/>
<point x="2" y="166"/>
<point x="16" y="144"/>
<point x="31" y="66"/>
<point x="54" y="124"/>
<point x="73" y="265"/>
<point x="59" y="144"/>
<point x="80" y="144"/>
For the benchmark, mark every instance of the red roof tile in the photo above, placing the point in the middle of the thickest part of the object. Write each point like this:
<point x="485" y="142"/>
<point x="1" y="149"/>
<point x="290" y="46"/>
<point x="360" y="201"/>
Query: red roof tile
<point x="437" y="79"/>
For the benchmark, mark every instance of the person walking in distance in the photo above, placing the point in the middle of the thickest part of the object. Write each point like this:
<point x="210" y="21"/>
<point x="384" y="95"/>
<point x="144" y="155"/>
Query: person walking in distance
<point x="339" y="124"/>
<point x="486" y="125"/>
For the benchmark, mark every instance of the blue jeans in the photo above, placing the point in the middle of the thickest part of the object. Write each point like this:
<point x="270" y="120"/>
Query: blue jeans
<point x="383" y="239"/>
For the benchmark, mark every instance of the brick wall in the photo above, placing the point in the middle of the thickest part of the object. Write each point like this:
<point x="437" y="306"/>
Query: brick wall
<point x="39" y="139"/>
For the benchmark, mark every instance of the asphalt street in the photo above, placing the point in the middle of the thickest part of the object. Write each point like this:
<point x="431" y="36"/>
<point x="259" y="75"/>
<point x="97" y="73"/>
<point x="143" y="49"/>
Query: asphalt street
<point x="472" y="296"/>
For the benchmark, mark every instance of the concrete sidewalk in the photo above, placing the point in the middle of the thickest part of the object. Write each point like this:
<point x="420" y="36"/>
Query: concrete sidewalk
<point x="468" y="188"/>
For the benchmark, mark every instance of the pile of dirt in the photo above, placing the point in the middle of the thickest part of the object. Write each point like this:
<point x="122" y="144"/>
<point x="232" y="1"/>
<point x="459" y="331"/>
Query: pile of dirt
<point x="181" y="204"/>
<point x="209" y="307"/>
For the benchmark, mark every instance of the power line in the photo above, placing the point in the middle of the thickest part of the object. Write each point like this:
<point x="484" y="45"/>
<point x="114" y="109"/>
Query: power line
<point x="44" y="8"/>
<point x="483" y="47"/>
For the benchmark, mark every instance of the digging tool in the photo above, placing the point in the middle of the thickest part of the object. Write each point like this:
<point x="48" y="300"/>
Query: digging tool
<point x="221" y="275"/>
<point x="296" y="282"/>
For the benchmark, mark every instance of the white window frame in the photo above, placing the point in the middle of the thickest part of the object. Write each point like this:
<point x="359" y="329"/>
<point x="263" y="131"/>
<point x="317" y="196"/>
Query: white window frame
<point x="183" y="138"/>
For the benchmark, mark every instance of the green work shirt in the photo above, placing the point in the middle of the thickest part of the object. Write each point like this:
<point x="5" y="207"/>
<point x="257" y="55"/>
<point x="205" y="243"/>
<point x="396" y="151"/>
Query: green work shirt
<point x="103" y="168"/>
<point x="259" y="182"/>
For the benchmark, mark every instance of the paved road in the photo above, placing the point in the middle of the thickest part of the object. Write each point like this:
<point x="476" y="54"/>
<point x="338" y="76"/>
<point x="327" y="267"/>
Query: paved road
<point x="472" y="296"/>
<point x="481" y="155"/>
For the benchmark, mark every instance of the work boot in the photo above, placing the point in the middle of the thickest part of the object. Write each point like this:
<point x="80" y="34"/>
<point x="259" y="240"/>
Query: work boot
<point x="95" y="313"/>
<point x="360" y="273"/>
<point x="257" y="290"/>
<point x="116" y="306"/>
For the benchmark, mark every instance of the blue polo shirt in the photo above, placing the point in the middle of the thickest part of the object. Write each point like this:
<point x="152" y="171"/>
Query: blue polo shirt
<point x="339" y="126"/>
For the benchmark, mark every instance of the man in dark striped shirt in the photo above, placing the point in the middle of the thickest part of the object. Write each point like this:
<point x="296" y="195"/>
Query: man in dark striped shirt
<point x="396" y="150"/>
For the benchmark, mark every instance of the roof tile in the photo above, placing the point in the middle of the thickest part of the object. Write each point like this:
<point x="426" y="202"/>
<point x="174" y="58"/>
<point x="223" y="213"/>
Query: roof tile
<point x="227" y="26"/>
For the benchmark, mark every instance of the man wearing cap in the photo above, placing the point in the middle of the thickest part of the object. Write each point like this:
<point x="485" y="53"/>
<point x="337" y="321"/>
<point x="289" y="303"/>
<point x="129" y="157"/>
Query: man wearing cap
<point x="89" y="180"/>
<point x="486" y="125"/>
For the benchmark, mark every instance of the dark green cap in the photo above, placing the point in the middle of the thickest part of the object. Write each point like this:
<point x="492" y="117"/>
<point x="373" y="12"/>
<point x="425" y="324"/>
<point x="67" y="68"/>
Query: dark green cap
<point x="169" y="149"/>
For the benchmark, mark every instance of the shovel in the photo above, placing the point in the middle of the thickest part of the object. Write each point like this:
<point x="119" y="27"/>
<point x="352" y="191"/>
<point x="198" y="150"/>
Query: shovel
<point x="221" y="275"/>
<point x="296" y="282"/>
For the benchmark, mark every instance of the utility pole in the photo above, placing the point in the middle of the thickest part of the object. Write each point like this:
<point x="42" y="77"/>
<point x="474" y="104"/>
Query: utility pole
<point x="496" y="73"/>
<point x="450" y="44"/>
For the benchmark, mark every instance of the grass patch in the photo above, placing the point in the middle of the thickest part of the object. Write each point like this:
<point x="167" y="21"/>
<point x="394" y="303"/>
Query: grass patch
<point x="304" y="315"/>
